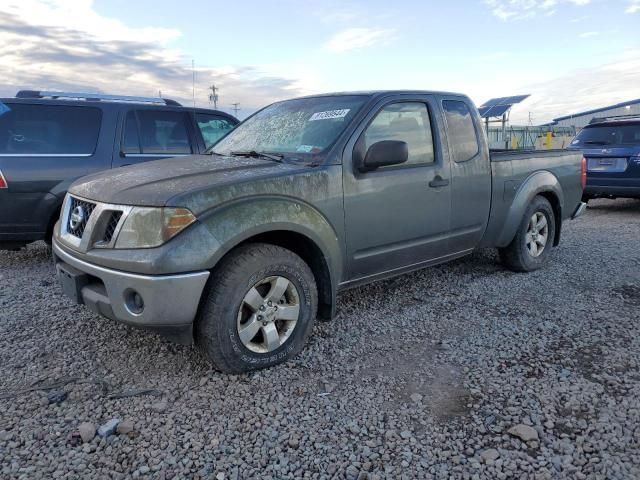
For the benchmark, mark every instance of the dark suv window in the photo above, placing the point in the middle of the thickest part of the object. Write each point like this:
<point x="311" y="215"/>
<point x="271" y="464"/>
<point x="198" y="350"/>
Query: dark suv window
<point x="462" y="134"/>
<point x="212" y="127"/>
<point x="156" y="132"/>
<point x="49" y="130"/>
<point x="620" y="134"/>
<point x="407" y="122"/>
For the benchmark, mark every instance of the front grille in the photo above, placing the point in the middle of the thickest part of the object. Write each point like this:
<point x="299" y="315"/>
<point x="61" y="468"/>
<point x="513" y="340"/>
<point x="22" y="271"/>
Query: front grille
<point x="79" y="214"/>
<point x="114" y="218"/>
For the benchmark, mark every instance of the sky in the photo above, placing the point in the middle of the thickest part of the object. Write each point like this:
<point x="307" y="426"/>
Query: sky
<point x="570" y="55"/>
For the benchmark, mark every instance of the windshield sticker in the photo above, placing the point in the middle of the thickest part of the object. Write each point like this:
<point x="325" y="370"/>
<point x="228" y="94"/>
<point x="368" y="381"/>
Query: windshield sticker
<point x="4" y="109"/>
<point x="305" y="148"/>
<point x="329" y="114"/>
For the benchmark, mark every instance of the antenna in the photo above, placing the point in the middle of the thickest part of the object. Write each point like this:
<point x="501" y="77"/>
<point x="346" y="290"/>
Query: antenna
<point x="235" y="108"/>
<point x="213" y="96"/>
<point x="193" y="81"/>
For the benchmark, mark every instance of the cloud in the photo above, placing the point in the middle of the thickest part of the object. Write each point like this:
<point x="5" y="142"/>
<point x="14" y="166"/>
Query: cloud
<point x="582" y="89"/>
<point x="634" y="6"/>
<point x="522" y="9"/>
<point x="50" y="48"/>
<point x="357" y="38"/>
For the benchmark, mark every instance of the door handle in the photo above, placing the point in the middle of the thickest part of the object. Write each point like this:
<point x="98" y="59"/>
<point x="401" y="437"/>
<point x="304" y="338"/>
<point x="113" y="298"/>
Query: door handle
<point x="438" y="182"/>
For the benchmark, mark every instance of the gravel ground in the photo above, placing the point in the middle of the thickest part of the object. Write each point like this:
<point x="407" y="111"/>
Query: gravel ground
<point x="460" y="371"/>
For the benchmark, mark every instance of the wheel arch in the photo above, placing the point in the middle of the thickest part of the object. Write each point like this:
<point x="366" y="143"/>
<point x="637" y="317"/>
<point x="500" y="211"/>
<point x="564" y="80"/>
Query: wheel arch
<point x="295" y="226"/>
<point x="542" y="183"/>
<point x="312" y="255"/>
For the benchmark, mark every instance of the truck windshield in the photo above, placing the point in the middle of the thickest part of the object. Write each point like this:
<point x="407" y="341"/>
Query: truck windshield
<point x="608" y="135"/>
<point x="294" y="128"/>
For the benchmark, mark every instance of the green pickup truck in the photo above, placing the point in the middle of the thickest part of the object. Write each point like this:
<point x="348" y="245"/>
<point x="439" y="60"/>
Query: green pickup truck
<point x="240" y="249"/>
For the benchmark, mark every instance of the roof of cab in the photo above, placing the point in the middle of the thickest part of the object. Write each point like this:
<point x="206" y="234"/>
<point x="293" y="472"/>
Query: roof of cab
<point x="383" y="93"/>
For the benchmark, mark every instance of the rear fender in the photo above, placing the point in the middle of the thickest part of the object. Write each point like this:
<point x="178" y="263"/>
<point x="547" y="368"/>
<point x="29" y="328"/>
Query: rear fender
<point x="539" y="183"/>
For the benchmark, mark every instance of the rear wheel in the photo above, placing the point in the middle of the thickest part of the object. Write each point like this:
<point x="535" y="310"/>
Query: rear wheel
<point x="259" y="309"/>
<point x="531" y="247"/>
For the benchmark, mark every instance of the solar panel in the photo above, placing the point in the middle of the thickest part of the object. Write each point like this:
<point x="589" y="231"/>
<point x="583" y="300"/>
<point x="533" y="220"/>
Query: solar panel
<point x="496" y="107"/>
<point x="515" y="99"/>
<point x="496" y="111"/>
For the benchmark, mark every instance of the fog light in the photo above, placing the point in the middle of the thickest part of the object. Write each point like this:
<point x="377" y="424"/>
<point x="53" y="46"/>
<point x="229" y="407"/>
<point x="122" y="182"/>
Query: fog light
<point x="134" y="302"/>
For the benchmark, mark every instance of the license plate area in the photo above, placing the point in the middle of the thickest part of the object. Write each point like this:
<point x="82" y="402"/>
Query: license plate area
<point x="72" y="281"/>
<point x="607" y="164"/>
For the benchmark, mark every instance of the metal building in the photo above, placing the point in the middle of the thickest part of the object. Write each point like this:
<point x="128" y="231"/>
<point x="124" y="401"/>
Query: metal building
<point x="580" y="120"/>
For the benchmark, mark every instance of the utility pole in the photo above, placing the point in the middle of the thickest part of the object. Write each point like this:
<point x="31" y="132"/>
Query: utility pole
<point x="213" y="96"/>
<point x="193" y="82"/>
<point x="235" y="108"/>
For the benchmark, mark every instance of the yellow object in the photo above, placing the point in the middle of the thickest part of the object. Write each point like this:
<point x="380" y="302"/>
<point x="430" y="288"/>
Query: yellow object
<point x="514" y="142"/>
<point x="549" y="144"/>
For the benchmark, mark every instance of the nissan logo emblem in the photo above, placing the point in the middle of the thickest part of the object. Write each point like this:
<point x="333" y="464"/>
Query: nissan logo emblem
<point x="77" y="218"/>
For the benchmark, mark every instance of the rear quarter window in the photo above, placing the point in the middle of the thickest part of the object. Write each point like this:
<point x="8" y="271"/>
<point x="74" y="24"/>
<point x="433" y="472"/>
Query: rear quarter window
<point x="49" y="130"/>
<point x="463" y="140"/>
<point x="213" y="127"/>
<point x="621" y="134"/>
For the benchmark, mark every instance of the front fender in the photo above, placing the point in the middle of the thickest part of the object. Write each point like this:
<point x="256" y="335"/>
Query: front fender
<point x="536" y="184"/>
<point x="235" y="222"/>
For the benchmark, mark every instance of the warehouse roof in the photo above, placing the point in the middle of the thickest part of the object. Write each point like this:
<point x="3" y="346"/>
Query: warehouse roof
<point x="598" y="110"/>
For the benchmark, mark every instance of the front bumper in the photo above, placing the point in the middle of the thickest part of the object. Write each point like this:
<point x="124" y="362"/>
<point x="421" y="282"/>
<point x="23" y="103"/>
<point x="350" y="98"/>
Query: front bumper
<point x="167" y="303"/>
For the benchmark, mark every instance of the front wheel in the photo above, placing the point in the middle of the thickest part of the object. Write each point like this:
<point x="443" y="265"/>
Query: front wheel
<point x="259" y="309"/>
<point x="531" y="247"/>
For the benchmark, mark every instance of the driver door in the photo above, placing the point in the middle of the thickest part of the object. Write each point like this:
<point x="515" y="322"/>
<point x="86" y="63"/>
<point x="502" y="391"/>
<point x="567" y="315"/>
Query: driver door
<point x="397" y="217"/>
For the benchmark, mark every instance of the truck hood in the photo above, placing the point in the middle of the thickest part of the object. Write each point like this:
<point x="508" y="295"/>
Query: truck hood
<point x="156" y="183"/>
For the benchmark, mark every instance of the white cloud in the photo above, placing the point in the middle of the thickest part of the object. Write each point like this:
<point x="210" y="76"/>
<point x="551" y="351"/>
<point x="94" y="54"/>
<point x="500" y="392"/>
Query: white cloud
<point x="634" y="6"/>
<point x="521" y="9"/>
<point x="79" y="15"/>
<point x="66" y="45"/>
<point x="582" y="89"/>
<point x="357" y="38"/>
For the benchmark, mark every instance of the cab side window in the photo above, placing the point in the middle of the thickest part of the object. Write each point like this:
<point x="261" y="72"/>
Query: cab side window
<point x="462" y="134"/>
<point x="407" y="122"/>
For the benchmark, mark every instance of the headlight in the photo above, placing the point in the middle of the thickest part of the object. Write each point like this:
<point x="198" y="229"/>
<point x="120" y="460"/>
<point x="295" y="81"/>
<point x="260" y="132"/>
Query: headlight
<point x="150" y="227"/>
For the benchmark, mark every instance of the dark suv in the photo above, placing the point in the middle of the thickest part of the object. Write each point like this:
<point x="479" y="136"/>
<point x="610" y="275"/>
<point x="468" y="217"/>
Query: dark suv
<point x="612" y="149"/>
<point x="49" y="139"/>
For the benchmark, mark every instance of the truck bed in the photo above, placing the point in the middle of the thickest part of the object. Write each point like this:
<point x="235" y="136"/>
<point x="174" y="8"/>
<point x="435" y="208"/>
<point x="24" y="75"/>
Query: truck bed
<point x="511" y="169"/>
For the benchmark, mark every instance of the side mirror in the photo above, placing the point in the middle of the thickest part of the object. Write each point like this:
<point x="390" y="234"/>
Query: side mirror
<point x="384" y="153"/>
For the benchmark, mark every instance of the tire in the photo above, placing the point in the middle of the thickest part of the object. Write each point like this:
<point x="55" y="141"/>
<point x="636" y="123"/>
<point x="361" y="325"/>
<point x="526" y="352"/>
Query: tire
<point x="231" y="306"/>
<point x="520" y="255"/>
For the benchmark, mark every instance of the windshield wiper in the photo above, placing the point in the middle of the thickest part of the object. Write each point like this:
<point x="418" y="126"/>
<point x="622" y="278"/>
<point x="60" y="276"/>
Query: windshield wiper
<point x="276" y="157"/>
<point x="596" y="142"/>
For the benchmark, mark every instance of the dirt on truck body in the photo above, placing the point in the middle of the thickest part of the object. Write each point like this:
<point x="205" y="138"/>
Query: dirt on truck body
<point x="240" y="249"/>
